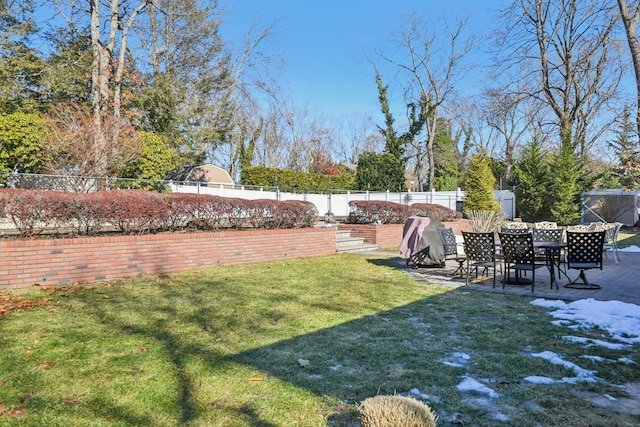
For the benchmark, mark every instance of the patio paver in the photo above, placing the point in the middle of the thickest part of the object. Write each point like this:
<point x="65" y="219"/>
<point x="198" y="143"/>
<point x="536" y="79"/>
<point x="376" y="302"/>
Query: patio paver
<point x="620" y="282"/>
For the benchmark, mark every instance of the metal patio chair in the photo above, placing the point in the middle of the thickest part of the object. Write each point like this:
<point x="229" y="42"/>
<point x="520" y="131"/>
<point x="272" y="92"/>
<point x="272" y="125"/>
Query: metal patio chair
<point x="451" y="250"/>
<point x="480" y="249"/>
<point x="519" y="255"/>
<point x="584" y="252"/>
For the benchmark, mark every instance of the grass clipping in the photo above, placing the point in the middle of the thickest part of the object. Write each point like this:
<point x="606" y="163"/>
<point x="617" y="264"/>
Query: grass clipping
<point x="395" y="411"/>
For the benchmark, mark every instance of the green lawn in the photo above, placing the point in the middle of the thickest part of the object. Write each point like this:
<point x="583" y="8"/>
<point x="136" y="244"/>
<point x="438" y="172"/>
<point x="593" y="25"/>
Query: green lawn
<point x="627" y="238"/>
<point x="291" y="343"/>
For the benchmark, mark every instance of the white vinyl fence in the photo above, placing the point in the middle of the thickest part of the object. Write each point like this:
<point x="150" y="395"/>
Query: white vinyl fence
<point x="336" y="202"/>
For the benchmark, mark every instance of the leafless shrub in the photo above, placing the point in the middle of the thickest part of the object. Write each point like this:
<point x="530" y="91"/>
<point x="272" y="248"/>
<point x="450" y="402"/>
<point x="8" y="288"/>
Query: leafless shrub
<point x="395" y="411"/>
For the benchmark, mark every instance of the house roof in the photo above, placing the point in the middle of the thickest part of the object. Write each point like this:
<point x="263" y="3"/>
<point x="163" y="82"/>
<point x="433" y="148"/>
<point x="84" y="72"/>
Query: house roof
<point x="202" y="173"/>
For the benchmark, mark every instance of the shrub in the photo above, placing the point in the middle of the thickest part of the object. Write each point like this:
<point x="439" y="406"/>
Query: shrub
<point x="134" y="211"/>
<point x="260" y="213"/>
<point x="295" y="214"/>
<point x="292" y="180"/>
<point x="91" y="212"/>
<point x="35" y="212"/>
<point x="27" y="210"/>
<point x="372" y="211"/>
<point x="395" y="411"/>
<point x="437" y="212"/>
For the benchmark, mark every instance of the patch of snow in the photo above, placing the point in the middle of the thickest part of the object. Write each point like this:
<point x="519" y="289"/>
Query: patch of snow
<point x="594" y="358"/>
<point x="591" y="342"/>
<point x="535" y="379"/>
<point x="632" y="248"/>
<point x="424" y="396"/>
<point x="621" y="320"/>
<point x="456" y="359"/>
<point x="581" y="374"/>
<point x="470" y="384"/>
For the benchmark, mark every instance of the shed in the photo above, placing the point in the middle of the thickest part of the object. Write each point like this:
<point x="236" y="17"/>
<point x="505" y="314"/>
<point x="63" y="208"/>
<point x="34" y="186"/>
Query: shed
<point x="610" y="206"/>
<point x="206" y="174"/>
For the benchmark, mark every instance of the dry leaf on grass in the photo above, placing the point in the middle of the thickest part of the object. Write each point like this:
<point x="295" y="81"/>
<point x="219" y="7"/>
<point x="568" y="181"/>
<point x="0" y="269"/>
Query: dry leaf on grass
<point x="15" y="412"/>
<point x="47" y="366"/>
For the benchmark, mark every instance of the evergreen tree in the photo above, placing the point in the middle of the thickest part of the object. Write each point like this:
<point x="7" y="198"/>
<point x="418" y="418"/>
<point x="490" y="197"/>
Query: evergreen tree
<point x="446" y="173"/>
<point x="68" y="68"/>
<point x="20" y="66"/>
<point x="627" y="149"/>
<point x="609" y="179"/>
<point x="479" y="186"/>
<point x="394" y="145"/>
<point x="156" y="160"/>
<point x="21" y="137"/>
<point x="566" y="175"/>
<point x="376" y="172"/>
<point x="531" y="175"/>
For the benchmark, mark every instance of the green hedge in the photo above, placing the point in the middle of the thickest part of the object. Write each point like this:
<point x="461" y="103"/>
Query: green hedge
<point x="289" y="179"/>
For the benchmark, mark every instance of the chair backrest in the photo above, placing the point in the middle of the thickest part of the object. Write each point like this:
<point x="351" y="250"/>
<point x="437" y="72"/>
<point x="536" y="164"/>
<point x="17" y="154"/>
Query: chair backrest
<point x="515" y="230"/>
<point x="584" y="247"/>
<point x="597" y="226"/>
<point x="547" y="235"/>
<point x="517" y="248"/>
<point x="479" y="246"/>
<point x="545" y="225"/>
<point x="514" y="225"/>
<point x="449" y="241"/>
<point x="580" y="227"/>
<point x="611" y="232"/>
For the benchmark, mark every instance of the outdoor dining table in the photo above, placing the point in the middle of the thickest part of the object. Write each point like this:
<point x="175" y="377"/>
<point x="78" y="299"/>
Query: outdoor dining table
<point x="553" y="258"/>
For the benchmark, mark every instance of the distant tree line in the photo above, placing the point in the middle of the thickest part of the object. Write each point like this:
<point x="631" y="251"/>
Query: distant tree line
<point x="137" y="88"/>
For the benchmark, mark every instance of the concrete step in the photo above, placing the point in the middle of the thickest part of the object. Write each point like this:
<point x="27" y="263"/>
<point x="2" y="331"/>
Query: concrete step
<point x="346" y="243"/>
<point x="349" y="241"/>
<point x="357" y="249"/>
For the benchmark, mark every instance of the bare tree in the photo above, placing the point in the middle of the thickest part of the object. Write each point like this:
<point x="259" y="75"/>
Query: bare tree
<point x="565" y="46"/>
<point x="510" y="113"/>
<point x="431" y="62"/>
<point x="630" y="14"/>
<point x="357" y="134"/>
<point x="75" y="123"/>
<point x="110" y="23"/>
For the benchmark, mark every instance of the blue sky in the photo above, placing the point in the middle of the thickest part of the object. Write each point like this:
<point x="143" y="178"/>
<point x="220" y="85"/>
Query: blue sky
<point x="326" y="43"/>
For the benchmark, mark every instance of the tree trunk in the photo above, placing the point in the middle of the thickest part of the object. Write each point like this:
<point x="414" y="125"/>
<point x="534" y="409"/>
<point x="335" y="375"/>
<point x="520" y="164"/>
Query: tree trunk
<point x="630" y="25"/>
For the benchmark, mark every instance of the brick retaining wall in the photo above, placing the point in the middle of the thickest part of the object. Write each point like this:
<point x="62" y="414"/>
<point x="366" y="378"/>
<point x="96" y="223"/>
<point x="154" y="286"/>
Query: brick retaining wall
<point x="390" y="235"/>
<point x="86" y="259"/>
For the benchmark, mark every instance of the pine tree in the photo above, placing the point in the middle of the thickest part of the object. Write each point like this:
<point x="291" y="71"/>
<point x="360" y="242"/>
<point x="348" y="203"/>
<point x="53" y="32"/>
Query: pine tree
<point x="20" y="65"/>
<point x="628" y="151"/>
<point x="479" y="186"/>
<point x="446" y="173"/>
<point x="565" y="185"/>
<point x="531" y="174"/>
